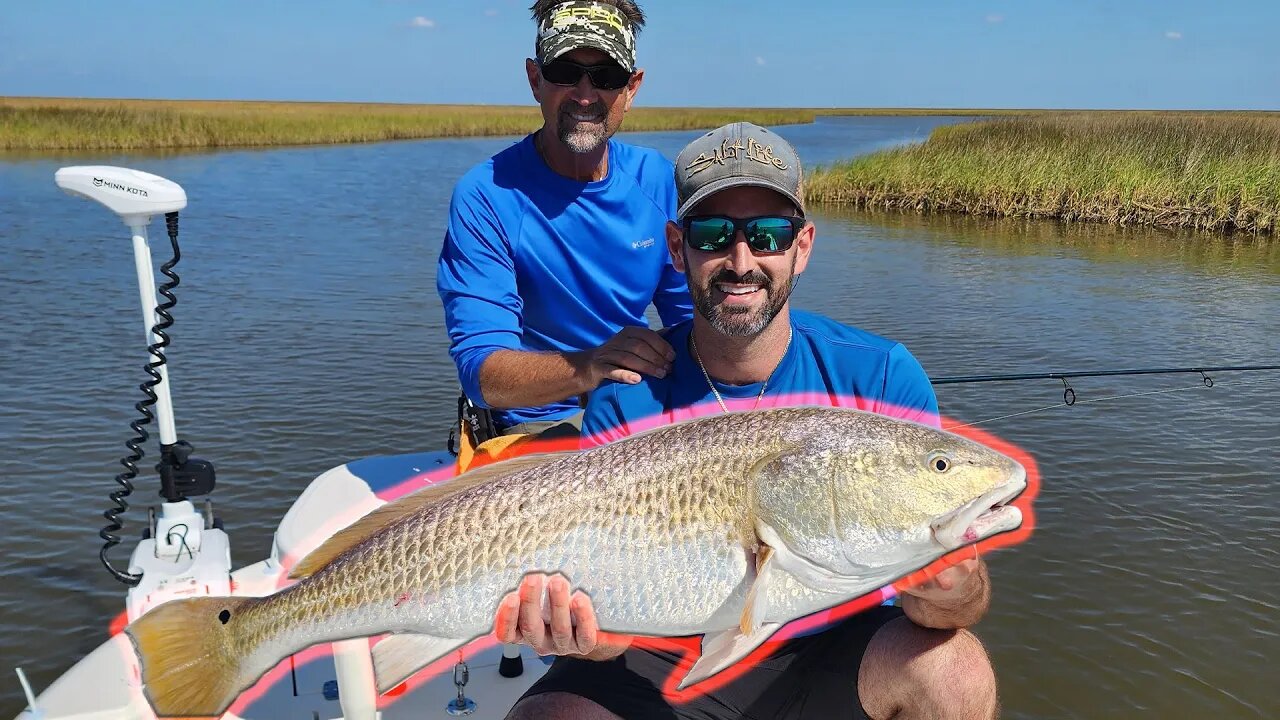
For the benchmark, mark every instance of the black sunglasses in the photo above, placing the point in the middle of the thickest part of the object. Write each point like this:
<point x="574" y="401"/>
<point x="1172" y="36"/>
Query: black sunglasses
<point x="765" y="233"/>
<point x="609" y="76"/>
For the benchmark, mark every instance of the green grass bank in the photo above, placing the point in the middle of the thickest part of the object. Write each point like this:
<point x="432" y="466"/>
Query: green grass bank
<point x="1208" y="171"/>
<point x="107" y="124"/>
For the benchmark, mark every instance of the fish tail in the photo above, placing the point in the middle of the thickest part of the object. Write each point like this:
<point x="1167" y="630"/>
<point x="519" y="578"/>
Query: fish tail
<point x="191" y="653"/>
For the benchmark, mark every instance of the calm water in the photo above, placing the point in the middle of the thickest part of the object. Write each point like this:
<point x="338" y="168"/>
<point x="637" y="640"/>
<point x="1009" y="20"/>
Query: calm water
<point x="308" y="333"/>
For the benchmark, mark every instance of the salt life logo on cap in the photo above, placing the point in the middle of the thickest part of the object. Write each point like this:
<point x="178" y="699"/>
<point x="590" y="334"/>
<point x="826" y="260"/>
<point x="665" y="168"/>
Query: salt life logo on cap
<point x="585" y="24"/>
<point x="736" y="155"/>
<point x="729" y="149"/>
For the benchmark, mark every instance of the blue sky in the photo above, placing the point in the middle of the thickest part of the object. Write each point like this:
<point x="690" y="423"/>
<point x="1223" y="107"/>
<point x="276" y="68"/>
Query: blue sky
<point x="914" y="53"/>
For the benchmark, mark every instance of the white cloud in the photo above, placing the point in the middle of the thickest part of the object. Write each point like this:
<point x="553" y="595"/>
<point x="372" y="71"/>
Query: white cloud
<point x="1173" y="35"/>
<point x="491" y="12"/>
<point x="995" y="18"/>
<point x="422" y="22"/>
<point x="759" y="60"/>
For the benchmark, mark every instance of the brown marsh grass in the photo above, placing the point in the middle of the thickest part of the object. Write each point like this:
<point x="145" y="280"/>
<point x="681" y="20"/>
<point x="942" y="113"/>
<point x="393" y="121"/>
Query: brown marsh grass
<point x="109" y="124"/>
<point x="1214" y="171"/>
<point x="88" y="124"/>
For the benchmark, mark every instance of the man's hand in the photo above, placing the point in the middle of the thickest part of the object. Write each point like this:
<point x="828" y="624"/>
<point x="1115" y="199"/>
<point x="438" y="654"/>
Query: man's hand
<point x="632" y="352"/>
<point x="568" y="628"/>
<point x="954" y="598"/>
<point x="947" y="585"/>
<point x="523" y="378"/>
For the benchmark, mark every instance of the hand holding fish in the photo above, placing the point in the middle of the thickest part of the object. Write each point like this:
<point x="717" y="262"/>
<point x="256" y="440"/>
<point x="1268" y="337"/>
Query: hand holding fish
<point x="568" y="627"/>
<point x="955" y="598"/>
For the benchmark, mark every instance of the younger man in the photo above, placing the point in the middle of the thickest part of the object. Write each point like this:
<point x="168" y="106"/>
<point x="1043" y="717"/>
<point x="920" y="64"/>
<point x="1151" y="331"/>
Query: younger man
<point x="741" y="239"/>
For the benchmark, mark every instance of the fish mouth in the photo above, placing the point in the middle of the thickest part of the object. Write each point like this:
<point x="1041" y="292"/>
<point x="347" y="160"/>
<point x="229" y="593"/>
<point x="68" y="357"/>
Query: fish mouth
<point x="988" y="515"/>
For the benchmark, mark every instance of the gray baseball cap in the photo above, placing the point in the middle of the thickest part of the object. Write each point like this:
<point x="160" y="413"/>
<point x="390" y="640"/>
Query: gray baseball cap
<point x="583" y="23"/>
<point x="735" y="155"/>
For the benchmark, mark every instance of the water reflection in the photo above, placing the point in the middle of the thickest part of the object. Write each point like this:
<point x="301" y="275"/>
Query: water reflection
<point x="1210" y="252"/>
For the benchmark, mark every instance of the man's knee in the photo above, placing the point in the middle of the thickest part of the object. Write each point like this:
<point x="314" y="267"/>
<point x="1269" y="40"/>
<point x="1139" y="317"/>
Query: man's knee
<point x="558" y="706"/>
<point x="914" y="672"/>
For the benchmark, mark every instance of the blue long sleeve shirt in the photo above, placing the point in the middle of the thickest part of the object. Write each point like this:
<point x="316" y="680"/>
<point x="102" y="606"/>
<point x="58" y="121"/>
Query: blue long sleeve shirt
<point x="536" y="261"/>
<point x="827" y="363"/>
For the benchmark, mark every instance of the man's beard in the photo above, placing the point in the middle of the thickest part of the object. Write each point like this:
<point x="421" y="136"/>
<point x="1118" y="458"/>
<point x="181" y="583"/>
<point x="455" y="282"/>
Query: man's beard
<point x="582" y="138"/>
<point x="742" y="321"/>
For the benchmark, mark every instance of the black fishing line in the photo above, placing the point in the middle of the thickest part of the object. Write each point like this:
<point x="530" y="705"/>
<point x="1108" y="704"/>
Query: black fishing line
<point x="1205" y="384"/>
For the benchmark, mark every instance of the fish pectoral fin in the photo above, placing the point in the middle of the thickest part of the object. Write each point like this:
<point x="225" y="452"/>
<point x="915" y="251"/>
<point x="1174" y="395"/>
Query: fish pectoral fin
<point x="397" y="657"/>
<point x="757" y="604"/>
<point x="724" y="649"/>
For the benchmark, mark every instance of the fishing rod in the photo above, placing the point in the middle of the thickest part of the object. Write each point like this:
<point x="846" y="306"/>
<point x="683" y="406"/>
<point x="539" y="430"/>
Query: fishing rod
<point x="1069" y="394"/>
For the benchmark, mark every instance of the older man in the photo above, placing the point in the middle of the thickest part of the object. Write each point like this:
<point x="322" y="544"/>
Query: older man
<point x="554" y="248"/>
<point x="742" y="238"/>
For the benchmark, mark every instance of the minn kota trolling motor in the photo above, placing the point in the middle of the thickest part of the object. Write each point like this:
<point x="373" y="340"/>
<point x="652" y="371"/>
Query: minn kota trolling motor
<point x="184" y="551"/>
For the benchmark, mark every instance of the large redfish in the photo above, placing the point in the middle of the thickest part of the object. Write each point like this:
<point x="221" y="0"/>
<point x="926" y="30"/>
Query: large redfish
<point x="727" y="526"/>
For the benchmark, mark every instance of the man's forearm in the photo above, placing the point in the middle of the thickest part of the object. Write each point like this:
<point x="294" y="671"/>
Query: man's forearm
<point x="518" y="378"/>
<point x="960" y="610"/>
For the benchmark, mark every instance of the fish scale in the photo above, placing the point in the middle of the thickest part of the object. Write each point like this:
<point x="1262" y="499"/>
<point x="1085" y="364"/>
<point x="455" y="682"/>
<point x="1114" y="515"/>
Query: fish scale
<point x="440" y="549"/>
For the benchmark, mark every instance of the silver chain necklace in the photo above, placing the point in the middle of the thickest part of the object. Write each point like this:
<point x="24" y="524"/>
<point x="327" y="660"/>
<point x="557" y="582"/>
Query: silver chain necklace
<point x="693" y="345"/>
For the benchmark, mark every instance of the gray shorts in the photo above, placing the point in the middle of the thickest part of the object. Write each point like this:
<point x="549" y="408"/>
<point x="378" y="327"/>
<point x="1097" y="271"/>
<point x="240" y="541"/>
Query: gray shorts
<point x="813" y="677"/>
<point x="549" y="429"/>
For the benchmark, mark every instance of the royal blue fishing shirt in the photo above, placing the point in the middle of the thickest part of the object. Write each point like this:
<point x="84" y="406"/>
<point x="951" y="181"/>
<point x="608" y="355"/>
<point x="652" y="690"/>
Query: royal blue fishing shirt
<point x="828" y="363"/>
<point x="535" y="261"/>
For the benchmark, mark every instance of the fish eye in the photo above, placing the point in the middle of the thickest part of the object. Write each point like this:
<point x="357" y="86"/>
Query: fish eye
<point x="939" y="462"/>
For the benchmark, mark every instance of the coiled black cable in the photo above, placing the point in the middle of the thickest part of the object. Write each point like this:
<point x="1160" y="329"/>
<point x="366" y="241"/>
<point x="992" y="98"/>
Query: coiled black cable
<point x="134" y="443"/>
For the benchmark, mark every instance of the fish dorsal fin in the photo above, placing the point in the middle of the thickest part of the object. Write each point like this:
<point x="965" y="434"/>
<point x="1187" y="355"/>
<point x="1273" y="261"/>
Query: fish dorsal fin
<point x="396" y="510"/>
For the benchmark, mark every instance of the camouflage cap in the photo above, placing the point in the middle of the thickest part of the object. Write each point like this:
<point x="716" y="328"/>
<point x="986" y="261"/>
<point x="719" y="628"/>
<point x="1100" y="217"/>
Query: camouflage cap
<point x="583" y="23"/>
<point x="734" y="155"/>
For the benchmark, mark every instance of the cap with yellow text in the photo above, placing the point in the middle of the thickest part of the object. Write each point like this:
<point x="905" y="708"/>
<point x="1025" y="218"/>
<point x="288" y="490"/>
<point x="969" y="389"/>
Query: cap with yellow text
<point x="736" y="155"/>
<point x="585" y="24"/>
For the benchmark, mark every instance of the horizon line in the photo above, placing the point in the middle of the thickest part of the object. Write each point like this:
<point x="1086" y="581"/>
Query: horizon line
<point x="845" y="108"/>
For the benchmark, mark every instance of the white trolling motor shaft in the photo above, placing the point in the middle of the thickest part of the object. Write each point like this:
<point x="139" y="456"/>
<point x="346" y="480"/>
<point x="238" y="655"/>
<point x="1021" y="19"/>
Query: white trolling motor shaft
<point x="136" y="197"/>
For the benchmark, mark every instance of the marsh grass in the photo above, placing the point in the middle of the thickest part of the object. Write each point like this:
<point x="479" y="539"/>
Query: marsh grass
<point x="1216" y="171"/>
<point x="151" y="124"/>
<point x="104" y="124"/>
<point x="87" y="124"/>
